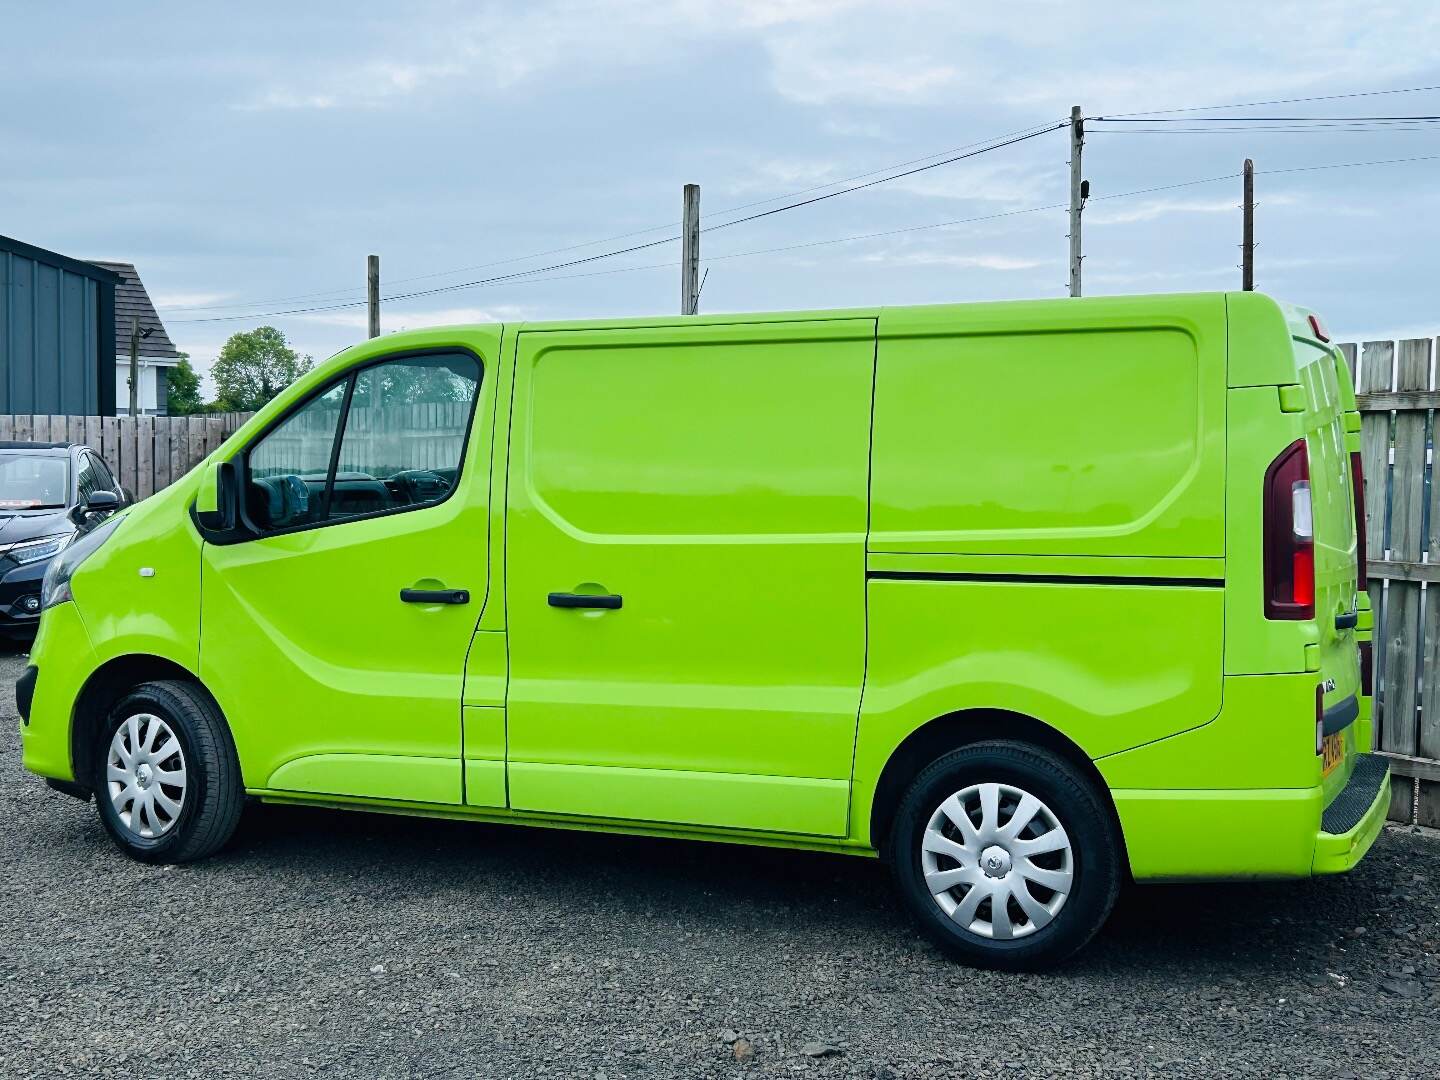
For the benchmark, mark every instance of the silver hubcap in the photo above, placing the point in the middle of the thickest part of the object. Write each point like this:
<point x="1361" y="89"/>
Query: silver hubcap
<point x="997" y="861"/>
<point x="145" y="775"/>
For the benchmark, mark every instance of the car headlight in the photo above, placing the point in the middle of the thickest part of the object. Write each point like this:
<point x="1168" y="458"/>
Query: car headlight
<point x="55" y="588"/>
<point x="30" y="551"/>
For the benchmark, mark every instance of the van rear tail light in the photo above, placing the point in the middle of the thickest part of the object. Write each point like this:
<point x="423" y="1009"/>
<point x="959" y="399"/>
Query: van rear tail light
<point x="1357" y="488"/>
<point x="1289" y="536"/>
<point x="1367" y="669"/>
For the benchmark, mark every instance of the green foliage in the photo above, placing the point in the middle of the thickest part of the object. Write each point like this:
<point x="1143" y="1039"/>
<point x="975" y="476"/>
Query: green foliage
<point x="253" y="367"/>
<point x="423" y="380"/>
<point x="182" y="389"/>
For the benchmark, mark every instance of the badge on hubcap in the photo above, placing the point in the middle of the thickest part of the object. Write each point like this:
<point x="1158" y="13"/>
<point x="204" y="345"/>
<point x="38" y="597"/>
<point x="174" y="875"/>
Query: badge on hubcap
<point x="995" y="861"/>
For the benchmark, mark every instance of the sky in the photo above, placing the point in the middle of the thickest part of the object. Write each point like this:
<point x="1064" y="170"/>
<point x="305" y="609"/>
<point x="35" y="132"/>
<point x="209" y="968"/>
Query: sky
<point x="247" y="158"/>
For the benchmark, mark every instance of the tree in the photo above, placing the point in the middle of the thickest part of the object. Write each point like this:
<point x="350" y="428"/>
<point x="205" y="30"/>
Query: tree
<point x="182" y="389"/>
<point x="253" y="367"/>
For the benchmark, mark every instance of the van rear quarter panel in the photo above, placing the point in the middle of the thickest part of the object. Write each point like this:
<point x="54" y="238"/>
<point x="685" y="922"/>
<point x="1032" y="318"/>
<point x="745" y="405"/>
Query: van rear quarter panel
<point x="1074" y="428"/>
<point x="1016" y="447"/>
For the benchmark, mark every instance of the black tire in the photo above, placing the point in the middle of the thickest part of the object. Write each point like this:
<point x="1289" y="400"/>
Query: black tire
<point x="213" y="794"/>
<point x="1094" y="858"/>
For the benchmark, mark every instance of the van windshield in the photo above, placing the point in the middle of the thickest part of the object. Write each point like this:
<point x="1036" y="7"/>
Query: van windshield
<point x="33" y="482"/>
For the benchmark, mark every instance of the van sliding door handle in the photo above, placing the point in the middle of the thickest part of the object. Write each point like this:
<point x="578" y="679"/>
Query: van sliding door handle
<point x="435" y="596"/>
<point x="607" y="601"/>
<point x="1347" y="620"/>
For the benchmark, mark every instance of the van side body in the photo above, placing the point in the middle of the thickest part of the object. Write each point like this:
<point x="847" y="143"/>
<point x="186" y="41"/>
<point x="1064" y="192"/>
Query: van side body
<point x="742" y="577"/>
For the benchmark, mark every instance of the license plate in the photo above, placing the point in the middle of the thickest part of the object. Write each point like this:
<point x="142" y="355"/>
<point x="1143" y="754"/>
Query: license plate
<point x="1332" y="749"/>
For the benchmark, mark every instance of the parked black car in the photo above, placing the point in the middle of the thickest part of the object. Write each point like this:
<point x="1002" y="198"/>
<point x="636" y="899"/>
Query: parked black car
<point x="49" y="492"/>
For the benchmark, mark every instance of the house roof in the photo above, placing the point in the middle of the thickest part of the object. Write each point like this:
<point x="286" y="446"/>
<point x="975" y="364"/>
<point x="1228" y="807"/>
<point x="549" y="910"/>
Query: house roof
<point x="133" y="302"/>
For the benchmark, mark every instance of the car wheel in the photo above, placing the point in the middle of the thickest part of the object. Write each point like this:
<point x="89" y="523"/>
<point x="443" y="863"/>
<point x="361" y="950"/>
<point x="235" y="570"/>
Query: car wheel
<point x="1005" y="855"/>
<point x="167" y="780"/>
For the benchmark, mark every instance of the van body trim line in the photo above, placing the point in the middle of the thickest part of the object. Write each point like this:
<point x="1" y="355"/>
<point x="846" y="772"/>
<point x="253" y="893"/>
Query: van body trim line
<point x="1047" y="579"/>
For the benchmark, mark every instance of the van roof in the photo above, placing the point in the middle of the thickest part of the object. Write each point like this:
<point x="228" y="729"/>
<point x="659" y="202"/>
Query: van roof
<point x="1295" y="317"/>
<point x="1261" y="317"/>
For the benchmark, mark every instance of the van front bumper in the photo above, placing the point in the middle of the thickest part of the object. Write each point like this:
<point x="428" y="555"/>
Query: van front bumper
<point x="1246" y="834"/>
<point x="63" y="659"/>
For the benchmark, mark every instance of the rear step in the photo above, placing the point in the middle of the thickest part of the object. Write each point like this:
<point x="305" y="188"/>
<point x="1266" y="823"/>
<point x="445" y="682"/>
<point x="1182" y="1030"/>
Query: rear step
<point x="1357" y="796"/>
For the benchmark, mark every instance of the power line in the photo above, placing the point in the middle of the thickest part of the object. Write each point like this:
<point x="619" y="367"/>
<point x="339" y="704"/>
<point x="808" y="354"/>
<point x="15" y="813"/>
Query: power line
<point x="539" y="276"/>
<point x="1291" y="129"/>
<point x="986" y="148"/>
<point x="1026" y="132"/>
<point x="1281" y="101"/>
<point x="1348" y="165"/>
<point x="1125" y="119"/>
<point x="1022" y="133"/>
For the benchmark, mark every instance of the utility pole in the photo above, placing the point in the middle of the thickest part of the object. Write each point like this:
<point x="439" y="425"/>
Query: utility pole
<point x="134" y="366"/>
<point x="1077" y="195"/>
<point x="1247" y="231"/>
<point x="372" y="284"/>
<point x="690" y="252"/>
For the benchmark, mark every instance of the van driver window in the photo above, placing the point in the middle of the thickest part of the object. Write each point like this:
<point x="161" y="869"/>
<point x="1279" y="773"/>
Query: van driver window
<point x="288" y="467"/>
<point x="400" y="448"/>
<point x="404" y="434"/>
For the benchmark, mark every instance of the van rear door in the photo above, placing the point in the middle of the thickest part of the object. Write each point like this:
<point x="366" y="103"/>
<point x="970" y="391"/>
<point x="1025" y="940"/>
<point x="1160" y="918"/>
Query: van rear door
<point x="1333" y="513"/>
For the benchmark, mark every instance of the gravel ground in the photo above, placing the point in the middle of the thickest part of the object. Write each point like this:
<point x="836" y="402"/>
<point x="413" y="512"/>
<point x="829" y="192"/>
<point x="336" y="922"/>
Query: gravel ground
<point x="337" y="944"/>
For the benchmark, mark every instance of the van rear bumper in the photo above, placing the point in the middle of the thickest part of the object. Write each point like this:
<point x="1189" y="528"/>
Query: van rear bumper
<point x="1354" y="817"/>
<point x="1189" y="835"/>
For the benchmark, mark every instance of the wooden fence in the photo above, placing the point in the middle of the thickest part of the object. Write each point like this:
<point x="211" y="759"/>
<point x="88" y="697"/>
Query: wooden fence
<point x="146" y="453"/>
<point x="1399" y="394"/>
<point x="379" y="440"/>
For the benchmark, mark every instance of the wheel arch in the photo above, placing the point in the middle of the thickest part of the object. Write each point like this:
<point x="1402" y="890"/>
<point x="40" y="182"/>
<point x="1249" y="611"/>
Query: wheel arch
<point x="960" y="728"/>
<point x="105" y="686"/>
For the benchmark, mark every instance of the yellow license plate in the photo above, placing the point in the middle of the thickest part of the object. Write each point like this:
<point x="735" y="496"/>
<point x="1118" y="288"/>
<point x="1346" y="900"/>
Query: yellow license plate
<point x="1332" y="749"/>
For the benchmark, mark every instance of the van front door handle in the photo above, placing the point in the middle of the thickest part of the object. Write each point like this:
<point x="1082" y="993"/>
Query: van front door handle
<point x="606" y="601"/>
<point x="435" y="596"/>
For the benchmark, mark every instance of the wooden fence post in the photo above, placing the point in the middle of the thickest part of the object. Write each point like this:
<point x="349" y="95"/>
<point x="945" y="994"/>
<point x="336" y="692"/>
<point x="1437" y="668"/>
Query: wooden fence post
<point x="1402" y="619"/>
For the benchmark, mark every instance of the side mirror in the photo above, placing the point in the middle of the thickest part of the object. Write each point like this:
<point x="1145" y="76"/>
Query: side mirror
<point x="218" y="501"/>
<point x="101" y="501"/>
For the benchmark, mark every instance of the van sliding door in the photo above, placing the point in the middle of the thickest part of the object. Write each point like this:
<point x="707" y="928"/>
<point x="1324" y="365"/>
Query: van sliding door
<point x="686" y="572"/>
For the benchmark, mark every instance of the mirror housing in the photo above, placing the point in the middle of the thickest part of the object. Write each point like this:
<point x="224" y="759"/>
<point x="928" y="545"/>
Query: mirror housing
<point x="218" y="502"/>
<point x="101" y="501"/>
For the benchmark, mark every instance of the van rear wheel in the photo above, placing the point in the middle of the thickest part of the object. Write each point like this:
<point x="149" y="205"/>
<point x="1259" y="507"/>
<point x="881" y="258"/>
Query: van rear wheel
<point x="1005" y="856"/>
<point x="167" y="780"/>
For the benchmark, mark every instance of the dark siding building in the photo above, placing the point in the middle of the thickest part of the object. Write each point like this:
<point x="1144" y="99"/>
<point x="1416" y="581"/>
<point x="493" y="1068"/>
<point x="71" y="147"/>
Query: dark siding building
<point x="57" y="333"/>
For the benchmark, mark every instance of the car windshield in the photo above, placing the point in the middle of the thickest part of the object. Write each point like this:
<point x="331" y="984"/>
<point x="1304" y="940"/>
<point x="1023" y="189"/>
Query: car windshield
<point x="32" y="481"/>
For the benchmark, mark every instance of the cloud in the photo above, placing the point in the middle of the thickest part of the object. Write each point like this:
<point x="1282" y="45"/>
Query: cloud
<point x="1122" y="213"/>
<point x="785" y="174"/>
<point x="1151" y="209"/>
<point x="395" y="319"/>
<point x="168" y="301"/>
<point x="1096" y="276"/>
<point x="1000" y="182"/>
<point x="940" y="258"/>
<point x="368" y="86"/>
<point x="882" y="53"/>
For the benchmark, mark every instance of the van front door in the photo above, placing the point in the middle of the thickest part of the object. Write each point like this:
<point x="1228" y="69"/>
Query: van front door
<point x="335" y="627"/>
<point x="685" y="565"/>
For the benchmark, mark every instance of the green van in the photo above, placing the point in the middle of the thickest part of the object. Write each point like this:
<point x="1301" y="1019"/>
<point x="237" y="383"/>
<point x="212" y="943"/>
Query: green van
<point x="1027" y="598"/>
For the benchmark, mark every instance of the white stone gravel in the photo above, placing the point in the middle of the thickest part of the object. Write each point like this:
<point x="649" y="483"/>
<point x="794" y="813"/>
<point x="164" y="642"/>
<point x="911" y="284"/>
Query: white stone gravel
<point x="331" y="944"/>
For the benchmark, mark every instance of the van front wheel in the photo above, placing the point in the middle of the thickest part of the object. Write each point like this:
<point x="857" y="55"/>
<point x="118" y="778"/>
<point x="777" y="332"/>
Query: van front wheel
<point x="167" y="780"/>
<point x="1005" y="855"/>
